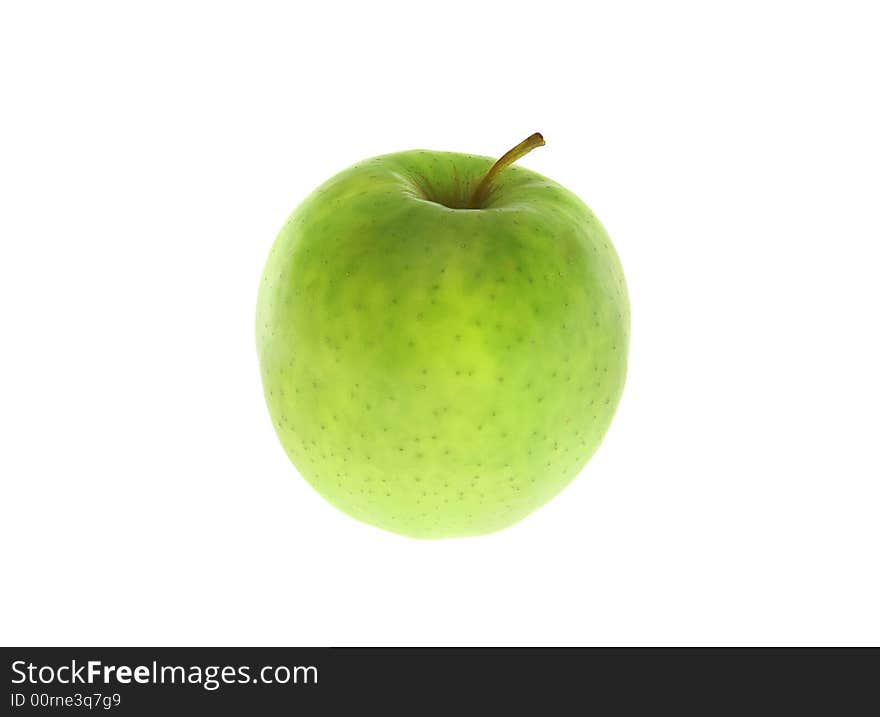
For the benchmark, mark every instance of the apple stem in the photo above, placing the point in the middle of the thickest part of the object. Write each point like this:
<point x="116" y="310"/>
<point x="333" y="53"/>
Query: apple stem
<point x="523" y="148"/>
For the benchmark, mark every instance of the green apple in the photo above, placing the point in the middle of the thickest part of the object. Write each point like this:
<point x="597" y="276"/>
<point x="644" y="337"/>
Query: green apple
<point x="442" y="340"/>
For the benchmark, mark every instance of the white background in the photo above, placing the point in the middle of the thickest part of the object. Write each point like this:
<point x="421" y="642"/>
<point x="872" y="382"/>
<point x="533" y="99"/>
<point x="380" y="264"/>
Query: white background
<point x="148" y="155"/>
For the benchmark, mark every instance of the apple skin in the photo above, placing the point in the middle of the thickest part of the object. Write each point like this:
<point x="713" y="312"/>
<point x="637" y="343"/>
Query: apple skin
<point x="438" y="371"/>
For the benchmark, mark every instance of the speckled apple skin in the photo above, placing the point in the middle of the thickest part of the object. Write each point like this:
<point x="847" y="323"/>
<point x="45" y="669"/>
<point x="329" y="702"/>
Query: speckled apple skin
<point x="437" y="371"/>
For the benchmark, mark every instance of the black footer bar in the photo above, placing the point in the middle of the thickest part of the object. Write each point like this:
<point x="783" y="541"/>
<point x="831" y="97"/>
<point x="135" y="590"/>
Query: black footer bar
<point x="149" y="681"/>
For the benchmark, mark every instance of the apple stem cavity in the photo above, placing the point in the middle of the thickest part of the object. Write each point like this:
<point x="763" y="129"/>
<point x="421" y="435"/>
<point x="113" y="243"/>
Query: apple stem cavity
<point x="481" y="193"/>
